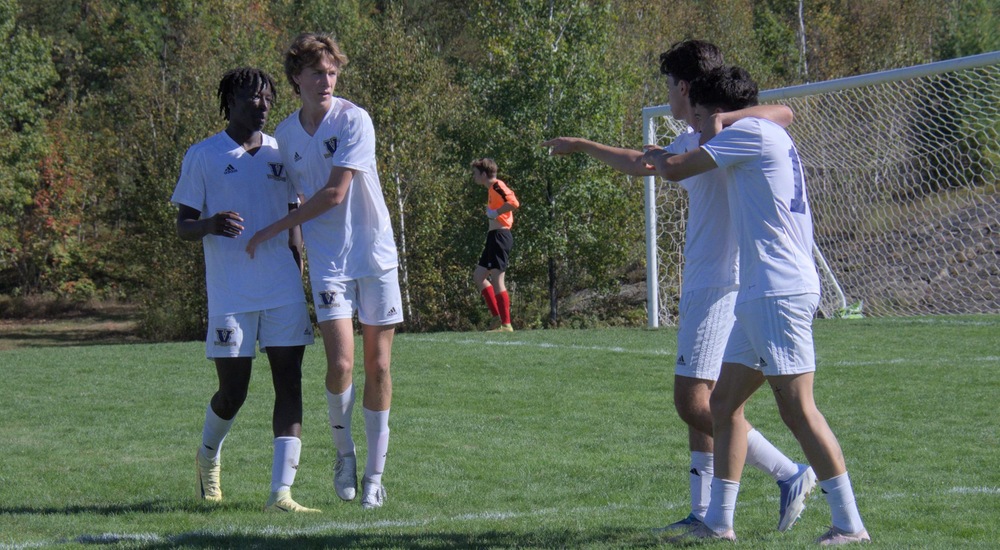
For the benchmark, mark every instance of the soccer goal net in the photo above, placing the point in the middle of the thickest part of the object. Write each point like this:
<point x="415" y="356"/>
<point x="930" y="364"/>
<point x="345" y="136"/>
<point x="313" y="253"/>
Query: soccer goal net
<point x="902" y="170"/>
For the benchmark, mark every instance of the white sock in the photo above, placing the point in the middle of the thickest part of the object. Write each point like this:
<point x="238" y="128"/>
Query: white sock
<point x="339" y="409"/>
<point x="377" y="431"/>
<point x="702" y="469"/>
<point x="722" y="508"/>
<point x="843" y="508"/>
<point x="764" y="456"/>
<point x="285" y="463"/>
<point x="214" y="433"/>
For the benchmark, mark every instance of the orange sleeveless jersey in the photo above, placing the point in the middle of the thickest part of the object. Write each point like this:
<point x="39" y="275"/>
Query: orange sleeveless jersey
<point x="499" y="194"/>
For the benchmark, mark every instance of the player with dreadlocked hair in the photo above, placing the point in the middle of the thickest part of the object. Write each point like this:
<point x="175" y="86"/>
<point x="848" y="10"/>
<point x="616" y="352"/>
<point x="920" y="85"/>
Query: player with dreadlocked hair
<point x="243" y="77"/>
<point x="237" y="178"/>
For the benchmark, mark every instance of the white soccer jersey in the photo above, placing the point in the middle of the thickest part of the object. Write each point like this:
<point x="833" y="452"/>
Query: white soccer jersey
<point x="218" y="175"/>
<point x="710" y="248"/>
<point x="354" y="239"/>
<point x="770" y="209"/>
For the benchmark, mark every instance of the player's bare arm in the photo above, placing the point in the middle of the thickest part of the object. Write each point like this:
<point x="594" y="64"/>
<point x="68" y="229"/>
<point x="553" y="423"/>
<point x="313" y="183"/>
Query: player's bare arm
<point x="326" y="198"/>
<point x="191" y="227"/>
<point x="778" y="114"/>
<point x="626" y="161"/>
<point x="679" y="167"/>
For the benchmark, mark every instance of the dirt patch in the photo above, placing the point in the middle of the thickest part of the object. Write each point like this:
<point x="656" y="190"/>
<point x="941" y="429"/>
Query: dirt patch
<point x="93" y="325"/>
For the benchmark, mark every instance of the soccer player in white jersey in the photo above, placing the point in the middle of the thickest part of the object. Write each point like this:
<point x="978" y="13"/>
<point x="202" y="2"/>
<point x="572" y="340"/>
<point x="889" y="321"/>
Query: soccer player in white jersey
<point x="778" y="296"/>
<point x="708" y="291"/>
<point x="237" y="180"/>
<point x="328" y="147"/>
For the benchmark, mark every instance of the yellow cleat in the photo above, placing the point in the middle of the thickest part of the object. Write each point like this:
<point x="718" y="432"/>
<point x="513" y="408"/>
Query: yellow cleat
<point x="282" y="502"/>
<point x="507" y="327"/>
<point x="209" y="472"/>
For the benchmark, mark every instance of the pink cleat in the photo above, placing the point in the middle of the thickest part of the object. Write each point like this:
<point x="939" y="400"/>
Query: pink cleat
<point x="836" y="537"/>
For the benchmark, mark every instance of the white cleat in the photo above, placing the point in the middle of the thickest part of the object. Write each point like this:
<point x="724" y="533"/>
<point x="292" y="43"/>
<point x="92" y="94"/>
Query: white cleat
<point x="372" y="495"/>
<point x="345" y="477"/>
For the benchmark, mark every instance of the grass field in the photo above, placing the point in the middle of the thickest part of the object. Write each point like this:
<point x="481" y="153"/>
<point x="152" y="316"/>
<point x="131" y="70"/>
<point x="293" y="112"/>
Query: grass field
<point x="540" y="439"/>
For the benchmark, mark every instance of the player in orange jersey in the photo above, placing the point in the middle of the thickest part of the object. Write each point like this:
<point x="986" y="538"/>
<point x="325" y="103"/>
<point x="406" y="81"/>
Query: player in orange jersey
<point x="499" y="240"/>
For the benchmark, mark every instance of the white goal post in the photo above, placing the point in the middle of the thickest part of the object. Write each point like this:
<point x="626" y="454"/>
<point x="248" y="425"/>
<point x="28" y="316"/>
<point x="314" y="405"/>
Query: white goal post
<point x="903" y="172"/>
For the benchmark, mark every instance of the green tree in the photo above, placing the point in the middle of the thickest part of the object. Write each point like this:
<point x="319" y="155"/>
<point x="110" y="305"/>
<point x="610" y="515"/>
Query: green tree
<point x="409" y="93"/>
<point x="545" y="69"/>
<point x="26" y="76"/>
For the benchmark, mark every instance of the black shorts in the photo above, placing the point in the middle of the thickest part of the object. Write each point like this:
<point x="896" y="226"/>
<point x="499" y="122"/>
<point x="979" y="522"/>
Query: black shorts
<point x="497" y="251"/>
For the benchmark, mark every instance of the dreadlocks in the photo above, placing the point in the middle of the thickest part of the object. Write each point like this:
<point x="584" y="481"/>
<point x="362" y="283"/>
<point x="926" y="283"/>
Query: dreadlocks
<point x="235" y="79"/>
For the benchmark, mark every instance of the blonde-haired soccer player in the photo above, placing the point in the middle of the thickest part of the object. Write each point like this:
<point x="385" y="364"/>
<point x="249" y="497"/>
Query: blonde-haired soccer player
<point x="328" y="146"/>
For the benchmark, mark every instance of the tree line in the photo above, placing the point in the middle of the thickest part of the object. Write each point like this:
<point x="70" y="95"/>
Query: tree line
<point x="101" y="98"/>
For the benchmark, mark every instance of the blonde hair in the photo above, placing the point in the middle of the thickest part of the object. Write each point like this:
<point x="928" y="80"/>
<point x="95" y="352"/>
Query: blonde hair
<point x="308" y="49"/>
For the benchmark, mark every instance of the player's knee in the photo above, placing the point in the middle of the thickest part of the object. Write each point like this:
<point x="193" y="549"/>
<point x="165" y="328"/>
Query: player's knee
<point x="228" y="401"/>
<point x="288" y="389"/>
<point x="722" y="410"/>
<point x="378" y="372"/>
<point x="793" y="417"/>
<point x="692" y="412"/>
<point x="340" y="367"/>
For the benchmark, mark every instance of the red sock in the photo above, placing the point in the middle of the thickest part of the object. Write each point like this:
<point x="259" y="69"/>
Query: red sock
<point x="503" y="303"/>
<point x="491" y="301"/>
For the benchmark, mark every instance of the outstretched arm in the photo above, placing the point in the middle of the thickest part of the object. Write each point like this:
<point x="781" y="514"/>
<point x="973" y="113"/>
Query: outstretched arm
<point x="326" y="198"/>
<point x="626" y="161"/>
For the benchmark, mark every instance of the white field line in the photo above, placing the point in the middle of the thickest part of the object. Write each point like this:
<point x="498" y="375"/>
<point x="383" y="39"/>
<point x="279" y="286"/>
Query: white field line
<point x="340" y="527"/>
<point x="663" y="352"/>
<point x="540" y="345"/>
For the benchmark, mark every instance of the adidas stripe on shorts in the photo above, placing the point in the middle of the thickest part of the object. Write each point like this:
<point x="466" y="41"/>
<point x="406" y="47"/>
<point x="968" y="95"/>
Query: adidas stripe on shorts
<point x="706" y="319"/>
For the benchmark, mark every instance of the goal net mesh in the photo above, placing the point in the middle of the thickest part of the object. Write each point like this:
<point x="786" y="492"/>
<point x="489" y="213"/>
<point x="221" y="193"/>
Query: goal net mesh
<point x="902" y="178"/>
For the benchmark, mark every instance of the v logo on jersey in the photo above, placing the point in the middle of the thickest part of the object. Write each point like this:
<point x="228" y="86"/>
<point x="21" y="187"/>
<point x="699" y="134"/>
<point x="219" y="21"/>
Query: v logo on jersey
<point x="331" y="147"/>
<point x="328" y="296"/>
<point x="230" y="169"/>
<point x="224" y="335"/>
<point x="277" y="171"/>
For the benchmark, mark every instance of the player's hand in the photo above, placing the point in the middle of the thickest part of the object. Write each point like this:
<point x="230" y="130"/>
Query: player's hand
<point x="492" y="214"/>
<point x="258" y="238"/>
<point x="226" y="224"/>
<point x="651" y="154"/>
<point x="561" y="145"/>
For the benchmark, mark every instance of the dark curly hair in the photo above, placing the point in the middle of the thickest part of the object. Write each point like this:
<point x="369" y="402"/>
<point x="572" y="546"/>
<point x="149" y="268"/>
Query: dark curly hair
<point x="727" y="88"/>
<point x="689" y="59"/>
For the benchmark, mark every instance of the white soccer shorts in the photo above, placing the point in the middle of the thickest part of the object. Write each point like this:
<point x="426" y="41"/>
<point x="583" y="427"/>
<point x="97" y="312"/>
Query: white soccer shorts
<point x="706" y="319"/>
<point x="237" y="334"/>
<point x="774" y="335"/>
<point x="376" y="299"/>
